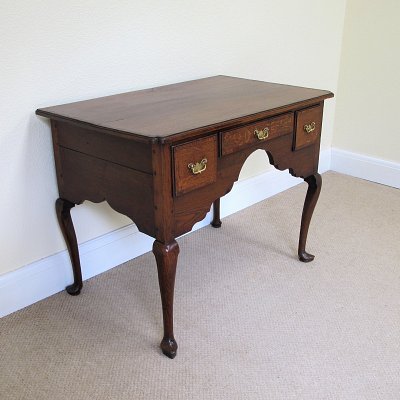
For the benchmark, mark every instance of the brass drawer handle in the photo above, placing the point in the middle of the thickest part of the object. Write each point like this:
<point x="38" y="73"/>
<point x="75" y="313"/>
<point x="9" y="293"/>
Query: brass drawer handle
<point x="199" y="167"/>
<point x="309" y="127"/>
<point x="261" y="135"/>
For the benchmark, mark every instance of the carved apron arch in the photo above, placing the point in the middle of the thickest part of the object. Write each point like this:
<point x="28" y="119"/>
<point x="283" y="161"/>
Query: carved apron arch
<point x="194" y="206"/>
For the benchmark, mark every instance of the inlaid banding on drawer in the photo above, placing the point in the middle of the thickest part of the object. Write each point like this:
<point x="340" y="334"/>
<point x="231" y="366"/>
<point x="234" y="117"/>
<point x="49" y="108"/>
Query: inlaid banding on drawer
<point x="195" y="164"/>
<point x="308" y="126"/>
<point x="251" y="134"/>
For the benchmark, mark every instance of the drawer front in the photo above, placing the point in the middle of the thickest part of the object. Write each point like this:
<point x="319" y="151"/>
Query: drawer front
<point x="264" y="130"/>
<point x="195" y="164"/>
<point x="308" y="126"/>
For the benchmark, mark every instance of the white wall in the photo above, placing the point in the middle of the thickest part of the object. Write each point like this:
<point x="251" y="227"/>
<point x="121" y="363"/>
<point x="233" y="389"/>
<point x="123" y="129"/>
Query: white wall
<point x="369" y="84"/>
<point x="57" y="52"/>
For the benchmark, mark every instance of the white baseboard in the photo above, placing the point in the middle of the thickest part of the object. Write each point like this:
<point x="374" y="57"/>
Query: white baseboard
<point x="43" y="278"/>
<point x="364" y="167"/>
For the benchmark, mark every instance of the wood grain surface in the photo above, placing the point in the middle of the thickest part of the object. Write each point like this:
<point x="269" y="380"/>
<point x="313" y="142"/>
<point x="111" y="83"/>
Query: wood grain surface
<point x="211" y="103"/>
<point x="163" y="156"/>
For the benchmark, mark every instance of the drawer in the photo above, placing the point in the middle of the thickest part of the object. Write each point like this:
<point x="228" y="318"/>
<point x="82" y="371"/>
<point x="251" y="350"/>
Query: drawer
<point x="263" y="130"/>
<point x="308" y="126"/>
<point x="195" y="164"/>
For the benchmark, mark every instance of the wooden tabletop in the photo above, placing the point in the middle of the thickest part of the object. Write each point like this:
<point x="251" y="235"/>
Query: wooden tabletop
<point x="183" y="107"/>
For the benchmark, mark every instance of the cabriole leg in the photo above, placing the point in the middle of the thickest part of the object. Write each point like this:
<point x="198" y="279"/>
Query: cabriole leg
<point x="166" y="257"/>
<point x="216" y="222"/>
<point x="63" y="209"/>
<point x="314" y="187"/>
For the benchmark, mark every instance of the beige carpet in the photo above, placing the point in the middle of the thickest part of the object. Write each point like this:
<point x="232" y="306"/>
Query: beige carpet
<point x="251" y="321"/>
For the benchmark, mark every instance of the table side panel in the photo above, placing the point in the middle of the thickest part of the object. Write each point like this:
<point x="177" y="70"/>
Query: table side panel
<point x="130" y="192"/>
<point x="120" y="150"/>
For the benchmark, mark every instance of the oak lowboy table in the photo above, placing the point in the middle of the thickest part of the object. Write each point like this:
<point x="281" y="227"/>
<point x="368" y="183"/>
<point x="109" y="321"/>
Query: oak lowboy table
<point x="162" y="156"/>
